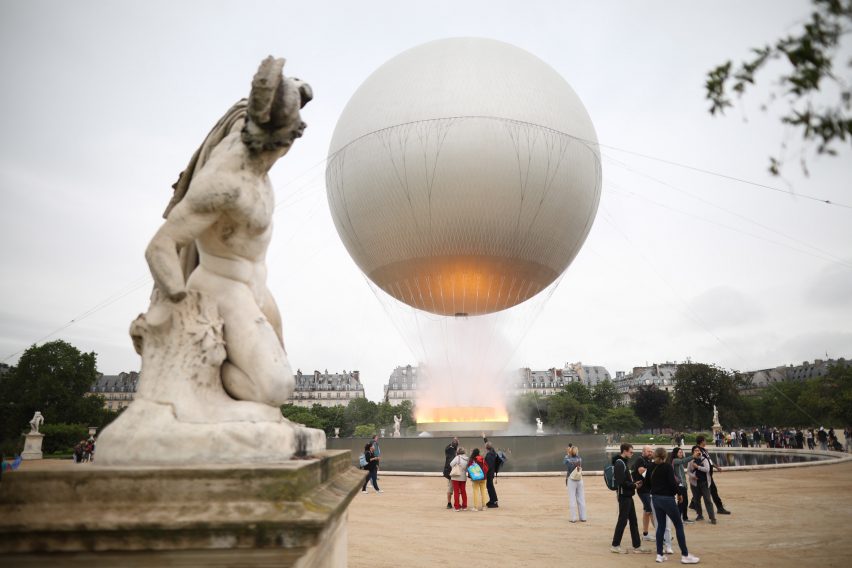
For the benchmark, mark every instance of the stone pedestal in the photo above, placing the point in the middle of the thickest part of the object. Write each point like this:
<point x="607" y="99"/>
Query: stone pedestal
<point x="289" y="514"/>
<point x="32" y="446"/>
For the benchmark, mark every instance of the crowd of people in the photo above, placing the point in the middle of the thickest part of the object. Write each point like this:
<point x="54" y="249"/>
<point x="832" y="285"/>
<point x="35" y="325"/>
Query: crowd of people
<point x="480" y="468"/>
<point x="84" y="450"/>
<point x="785" y="437"/>
<point x="663" y="481"/>
<point x="668" y="483"/>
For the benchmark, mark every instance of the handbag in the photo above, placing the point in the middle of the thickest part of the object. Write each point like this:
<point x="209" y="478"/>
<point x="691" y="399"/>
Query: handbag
<point x="457" y="470"/>
<point x="576" y="475"/>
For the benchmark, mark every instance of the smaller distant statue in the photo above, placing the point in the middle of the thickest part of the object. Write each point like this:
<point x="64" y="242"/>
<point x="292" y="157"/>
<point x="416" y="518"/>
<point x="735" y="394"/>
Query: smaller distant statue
<point x="397" y="420"/>
<point x="539" y="426"/>
<point x="716" y="417"/>
<point x="36" y="422"/>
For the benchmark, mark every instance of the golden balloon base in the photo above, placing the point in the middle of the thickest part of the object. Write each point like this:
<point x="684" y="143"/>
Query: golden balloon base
<point x="462" y="419"/>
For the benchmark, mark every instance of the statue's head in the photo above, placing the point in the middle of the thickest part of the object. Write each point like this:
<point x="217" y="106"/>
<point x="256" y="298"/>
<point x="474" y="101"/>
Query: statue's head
<point x="273" y="120"/>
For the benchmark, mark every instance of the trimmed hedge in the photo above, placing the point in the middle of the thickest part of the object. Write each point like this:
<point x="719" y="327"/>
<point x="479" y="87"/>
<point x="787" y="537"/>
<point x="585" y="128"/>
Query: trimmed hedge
<point x="62" y="437"/>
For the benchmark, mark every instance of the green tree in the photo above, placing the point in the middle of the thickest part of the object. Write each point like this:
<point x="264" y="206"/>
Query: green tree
<point x="565" y="411"/>
<point x="828" y="399"/>
<point x="359" y="411"/>
<point x="605" y="396"/>
<point x="53" y="378"/>
<point x="303" y="416"/>
<point x="650" y="405"/>
<point x="365" y="431"/>
<point x="621" y="420"/>
<point x="527" y="408"/>
<point x="698" y="387"/>
<point x="809" y="55"/>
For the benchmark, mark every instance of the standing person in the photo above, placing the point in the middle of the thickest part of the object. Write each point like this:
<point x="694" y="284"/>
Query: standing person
<point x="625" y="488"/>
<point x="810" y="438"/>
<point x="678" y="461"/>
<point x="756" y="436"/>
<point x="574" y="481"/>
<point x="491" y="460"/>
<point x="847" y="433"/>
<point x="699" y="478"/>
<point x="449" y="454"/>
<point x="376" y="450"/>
<point x="458" y="473"/>
<point x="800" y="439"/>
<point x="372" y="468"/>
<point x="664" y="496"/>
<point x="822" y="437"/>
<point x="477" y="485"/>
<point x="714" y="491"/>
<point x="641" y="467"/>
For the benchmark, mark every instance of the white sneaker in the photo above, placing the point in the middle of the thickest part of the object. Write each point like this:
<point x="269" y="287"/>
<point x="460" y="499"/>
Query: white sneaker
<point x="668" y="550"/>
<point x="649" y="538"/>
<point x="616" y="549"/>
<point x="689" y="559"/>
<point x="363" y="491"/>
<point x="661" y="558"/>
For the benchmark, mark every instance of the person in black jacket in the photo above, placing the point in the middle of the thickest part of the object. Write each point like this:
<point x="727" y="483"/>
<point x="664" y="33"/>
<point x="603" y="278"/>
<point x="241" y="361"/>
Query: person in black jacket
<point x="625" y="489"/>
<point x="663" y="487"/>
<point x="449" y="454"/>
<point x="640" y="468"/>
<point x="372" y="468"/>
<point x="491" y="461"/>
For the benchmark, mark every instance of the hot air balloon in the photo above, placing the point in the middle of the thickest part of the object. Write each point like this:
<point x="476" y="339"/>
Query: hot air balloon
<point x="464" y="176"/>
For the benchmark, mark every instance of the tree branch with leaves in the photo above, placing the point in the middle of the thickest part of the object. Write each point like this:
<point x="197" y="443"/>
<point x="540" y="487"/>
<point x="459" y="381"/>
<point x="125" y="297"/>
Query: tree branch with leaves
<point x="811" y="56"/>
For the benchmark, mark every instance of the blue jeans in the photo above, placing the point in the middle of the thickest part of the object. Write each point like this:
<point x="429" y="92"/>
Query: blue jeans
<point x="372" y="475"/>
<point x="666" y="506"/>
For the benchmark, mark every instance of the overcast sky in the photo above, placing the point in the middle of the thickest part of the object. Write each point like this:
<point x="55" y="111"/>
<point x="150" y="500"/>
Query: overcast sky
<point x="103" y="103"/>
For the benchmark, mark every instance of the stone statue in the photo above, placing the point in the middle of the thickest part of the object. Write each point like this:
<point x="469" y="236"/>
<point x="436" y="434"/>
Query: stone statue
<point x="539" y="426"/>
<point x="214" y="366"/>
<point x="716" y="417"/>
<point x="397" y="420"/>
<point x="36" y="422"/>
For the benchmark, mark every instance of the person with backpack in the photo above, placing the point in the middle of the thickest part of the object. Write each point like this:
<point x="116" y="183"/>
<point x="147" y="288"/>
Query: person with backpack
<point x="476" y="470"/>
<point x="574" y="482"/>
<point x="372" y="468"/>
<point x="493" y="461"/>
<point x="449" y="454"/>
<point x="663" y="488"/>
<point x="458" y="475"/>
<point x="620" y="479"/>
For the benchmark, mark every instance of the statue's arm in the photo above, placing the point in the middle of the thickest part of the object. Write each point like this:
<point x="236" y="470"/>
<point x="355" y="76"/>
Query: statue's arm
<point x="186" y="222"/>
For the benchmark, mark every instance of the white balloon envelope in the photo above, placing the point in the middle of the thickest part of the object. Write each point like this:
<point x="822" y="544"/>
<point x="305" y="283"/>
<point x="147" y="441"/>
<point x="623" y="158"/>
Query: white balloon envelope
<point x="464" y="176"/>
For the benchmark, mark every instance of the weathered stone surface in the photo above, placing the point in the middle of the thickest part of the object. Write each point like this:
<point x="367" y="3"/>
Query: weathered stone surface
<point x="181" y="414"/>
<point x="290" y="514"/>
<point x="214" y="368"/>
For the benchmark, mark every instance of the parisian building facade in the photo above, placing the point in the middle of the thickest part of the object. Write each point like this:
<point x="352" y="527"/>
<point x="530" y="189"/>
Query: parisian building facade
<point x="763" y="378"/>
<point x="118" y="390"/>
<point x="326" y="389"/>
<point x="404" y="382"/>
<point x="660" y="375"/>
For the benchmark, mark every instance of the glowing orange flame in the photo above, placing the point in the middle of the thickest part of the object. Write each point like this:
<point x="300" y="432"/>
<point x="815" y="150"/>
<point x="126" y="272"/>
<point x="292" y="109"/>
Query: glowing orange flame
<point x="466" y="414"/>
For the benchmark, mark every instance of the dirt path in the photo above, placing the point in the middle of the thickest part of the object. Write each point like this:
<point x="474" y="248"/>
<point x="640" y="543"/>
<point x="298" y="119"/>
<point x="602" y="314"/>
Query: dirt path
<point x="795" y="517"/>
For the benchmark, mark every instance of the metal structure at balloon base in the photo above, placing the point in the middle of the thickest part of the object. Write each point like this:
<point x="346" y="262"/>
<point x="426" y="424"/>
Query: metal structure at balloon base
<point x="460" y="419"/>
